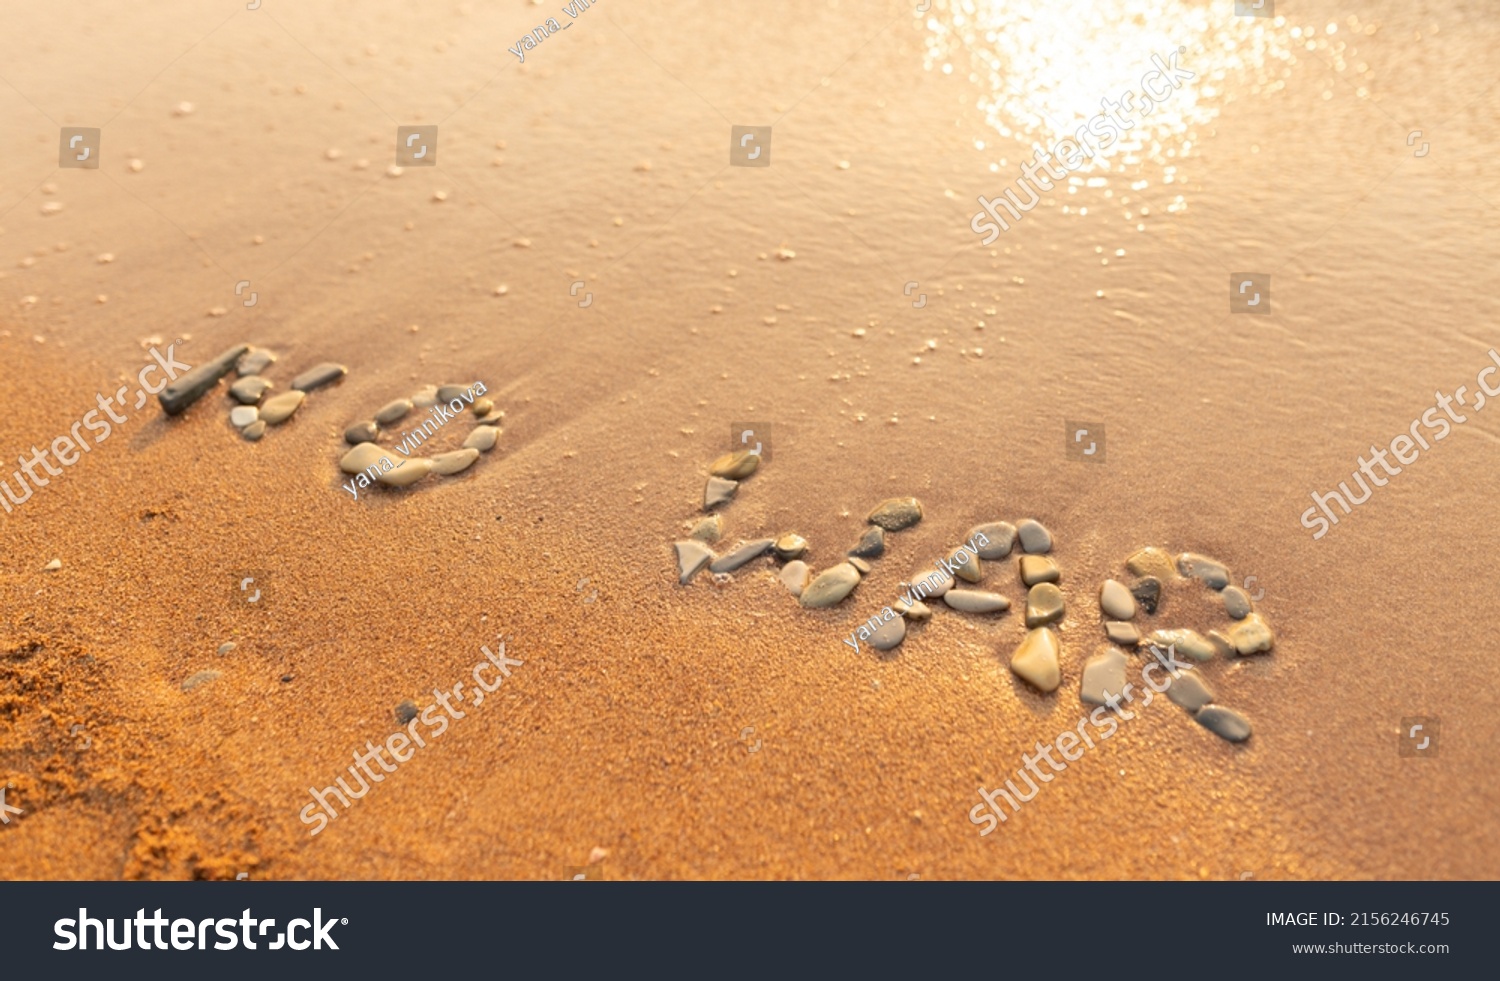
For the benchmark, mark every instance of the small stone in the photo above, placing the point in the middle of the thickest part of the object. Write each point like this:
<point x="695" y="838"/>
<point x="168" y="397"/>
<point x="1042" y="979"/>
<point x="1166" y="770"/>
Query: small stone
<point x="1212" y="574"/>
<point x="692" y="557"/>
<point x="975" y="601"/>
<point x="493" y="417"/>
<point x="708" y="530"/>
<point x="405" y="712"/>
<point x="1222" y="644"/>
<point x="1044" y="605"/>
<point x="248" y="390"/>
<point x="935" y="582"/>
<point x="1035" y="538"/>
<point x="1103" y="678"/>
<point x="407" y="472"/>
<point x="914" y="611"/>
<point x="1224" y="722"/>
<point x="226" y="648"/>
<point x="318" y="376"/>
<point x="52" y="566"/>
<point x="831" y="586"/>
<point x="243" y="415"/>
<point x="871" y="544"/>
<point x="860" y="564"/>
<point x="189" y="388"/>
<point x="482" y="438"/>
<point x="1039" y="568"/>
<point x="735" y="466"/>
<point x="1237" y="603"/>
<point x="362" y="457"/>
<point x="361" y="432"/>
<point x="1001" y="536"/>
<point x="426" y="397"/>
<point x="741" y="554"/>
<point x="1115" y="600"/>
<point x="790" y="546"/>
<point x="454" y="461"/>
<point x="718" y="491"/>
<point x="889" y="634"/>
<point x="1188" y="642"/>
<point x="482" y="408"/>
<point x="447" y="393"/>
<point x="1151" y="562"/>
<point x="393" y="411"/>
<point x="1147" y="593"/>
<point x="201" y="678"/>
<point x="1124" y="634"/>
<point x="795" y="576"/>
<point x="1189" y="691"/>
<point x="896" y="514"/>
<point x="1251" y="635"/>
<point x="1035" y="660"/>
<point x="279" y="408"/>
<point x="254" y="431"/>
<point x="967" y="567"/>
<point x="254" y="362"/>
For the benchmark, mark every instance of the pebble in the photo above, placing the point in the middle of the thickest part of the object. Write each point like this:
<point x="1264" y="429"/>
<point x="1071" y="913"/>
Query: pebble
<point x="1035" y="660"/>
<point x="225" y="648"/>
<point x="1251" y="635"/>
<point x="406" y="473"/>
<point x="1224" y="722"/>
<point x="1151" y="562"/>
<point x="279" y="408"/>
<point x="795" y="576"/>
<point x="735" y="466"/>
<point x="718" y="491"/>
<point x="393" y="411"/>
<point x="318" y="376"/>
<point x="1124" y="634"/>
<point x="201" y="678"/>
<point x="1186" y="642"/>
<point x="254" y="362"/>
<point x="1001" y="535"/>
<point x="1039" y="568"/>
<point x="939" y="585"/>
<point x="447" y="393"/>
<point x="405" y="712"/>
<point x="254" y="431"/>
<point x="1213" y="574"/>
<point x="889" y="635"/>
<point x="692" y="556"/>
<point x="1103" y="678"/>
<point x="426" y="398"/>
<point x="970" y="567"/>
<point x="975" y="601"/>
<point x="1044" y="605"/>
<point x="52" y="566"/>
<point x="1189" y="691"/>
<point x="189" y="388"/>
<point x="482" y="408"/>
<point x="1115" y="600"/>
<point x="831" y="586"/>
<point x="896" y="514"/>
<point x="248" y="390"/>
<point x="361" y="458"/>
<point x="790" y="546"/>
<point x="708" y="529"/>
<point x="1237" y="603"/>
<point x="243" y="415"/>
<point x="1222" y="644"/>
<point x="860" y="564"/>
<point x="361" y="432"/>
<point x="871" y="544"/>
<point x="454" y="461"/>
<point x="740" y="555"/>
<point x="492" y="417"/>
<point x="916" y="611"/>
<point x="1147" y="593"/>
<point x="1035" y="538"/>
<point x="483" y="438"/>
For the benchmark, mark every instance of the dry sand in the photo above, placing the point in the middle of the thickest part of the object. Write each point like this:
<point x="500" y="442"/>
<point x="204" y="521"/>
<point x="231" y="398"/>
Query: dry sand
<point x="606" y="154"/>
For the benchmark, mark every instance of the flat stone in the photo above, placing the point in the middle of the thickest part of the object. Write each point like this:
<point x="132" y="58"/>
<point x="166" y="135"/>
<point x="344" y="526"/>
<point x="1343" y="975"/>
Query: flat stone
<point x="969" y="567"/>
<point x="189" y="388"/>
<point x="790" y="546"/>
<point x="975" y="601"/>
<point x="454" y="461"/>
<point x="393" y="411"/>
<point x="1001" y="535"/>
<point x="249" y="390"/>
<point x="1224" y="722"/>
<point x="1115" y="600"/>
<point x="718" y="491"/>
<point x="447" y="393"/>
<point x="1212" y="574"/>
<point x="1039" y="568"/>
<point x="1034" y="536"/>
<point x="1044" y="605"/>
<point x="896" y="514"/>
<point x="52" y="566"/>
<point x="1035" y="660"/>
<point x="795" y="576"/>
<point x="254" y="431"/>
<point x="871" y="544"/>
<point x="1103" y="678"/>
<point x="1189" y="691"/>
<point x="491" y="417"/>
<point x="201" y="678"/>
<point x="1237" y="603"/>
<point x="741" y="554"/>
<point x="1222" y="644"/>
<point x="889" y="634"/>
<point x="426" y="397"/>
<point x="937" y="581"/>
<point x="318" y="375"/>
<point x="915" y="611"/>
<point x="1189" y="643"/>
<point x="735" y="466"/>
<point x="362" y="432"/>
<point x="254" y="362"/>
<point x="406" y="473"/>
<point x="361" y="458"/>
<point x="225" y="648"/>
<point x="243" y="415"/>
<point x="692" y="558"/>
<point x="708" y="529"/>
<point x="831" y="586"/>
<point x="1251" y="635"/>
<point x="405" y="712"/>
<point x="279" y="408"/>
<point x="860" y="564"/>
<point x="1147" y="593"/>
<point x="1124" y="634"/>
<point x="1151" y="562"/>
<point x="482" y="438"/>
